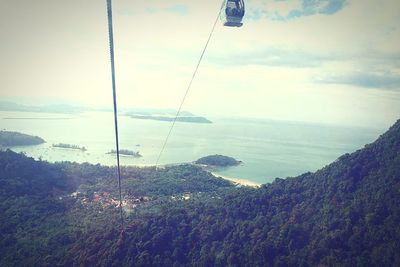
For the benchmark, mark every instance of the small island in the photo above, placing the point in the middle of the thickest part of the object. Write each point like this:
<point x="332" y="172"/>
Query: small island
<point x="69" y="146"/>
<point x="126" y="152"/>
<point x="8" y="139"/>
<point x="191" y="119"/>
<point x="218" y="161"/>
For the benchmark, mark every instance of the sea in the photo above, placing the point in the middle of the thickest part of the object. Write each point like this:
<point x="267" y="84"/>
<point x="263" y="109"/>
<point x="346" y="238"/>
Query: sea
<point x="267" y="148"/>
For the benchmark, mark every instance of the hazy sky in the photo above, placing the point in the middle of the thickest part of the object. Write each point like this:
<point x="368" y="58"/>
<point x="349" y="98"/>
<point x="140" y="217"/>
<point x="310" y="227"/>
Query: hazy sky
<point x="332" y="61"/>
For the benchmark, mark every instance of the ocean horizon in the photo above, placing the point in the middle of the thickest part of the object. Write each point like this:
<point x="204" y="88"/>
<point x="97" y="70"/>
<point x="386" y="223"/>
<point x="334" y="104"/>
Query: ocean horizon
<point x="268" y="148"/>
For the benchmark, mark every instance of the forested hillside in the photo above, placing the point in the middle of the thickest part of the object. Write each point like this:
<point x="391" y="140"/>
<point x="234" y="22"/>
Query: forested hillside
<point x="346" y="214"/>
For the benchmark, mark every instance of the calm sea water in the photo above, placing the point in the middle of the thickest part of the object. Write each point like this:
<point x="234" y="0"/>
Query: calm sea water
<point x="268" y="149"/>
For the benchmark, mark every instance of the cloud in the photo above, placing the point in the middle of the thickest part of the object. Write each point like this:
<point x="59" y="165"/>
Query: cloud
<point x="365" y="69"/>
<point x="267" y="63"/>
<point x="389" y="81"/>
<point x="285" y="10"/>
<point x="178" y="9"/>
<point x="275" y="57"/>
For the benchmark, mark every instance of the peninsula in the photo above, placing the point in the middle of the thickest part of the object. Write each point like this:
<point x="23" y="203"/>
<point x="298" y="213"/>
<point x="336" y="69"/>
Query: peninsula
<point x="8" y="139"/>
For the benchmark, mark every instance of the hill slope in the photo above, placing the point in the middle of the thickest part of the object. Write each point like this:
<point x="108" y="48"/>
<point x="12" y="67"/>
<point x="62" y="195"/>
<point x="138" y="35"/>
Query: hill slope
<point x="347" y="213"/>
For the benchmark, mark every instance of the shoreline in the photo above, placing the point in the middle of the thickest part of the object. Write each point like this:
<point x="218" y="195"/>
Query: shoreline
<point x="237" y="181"/>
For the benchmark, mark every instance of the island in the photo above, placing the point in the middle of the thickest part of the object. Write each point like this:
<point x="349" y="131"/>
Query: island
<point x="218" y="161"/>
<point x="191" y="119"/>
<point x="55" y="108"/>
<point x="126" y="152"/>
<point x="69" y="146"/>
<point x="8" y="139"/>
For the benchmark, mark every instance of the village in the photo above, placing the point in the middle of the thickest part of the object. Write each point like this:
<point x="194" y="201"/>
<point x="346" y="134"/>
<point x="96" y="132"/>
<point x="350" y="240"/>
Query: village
<point x="105" y="200"/>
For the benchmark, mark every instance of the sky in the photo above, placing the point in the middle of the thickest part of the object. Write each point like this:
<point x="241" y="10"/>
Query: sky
<point x="316" y="61"/>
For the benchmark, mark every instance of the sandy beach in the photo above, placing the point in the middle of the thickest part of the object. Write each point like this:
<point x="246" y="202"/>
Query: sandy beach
<point x="238" y="181"/>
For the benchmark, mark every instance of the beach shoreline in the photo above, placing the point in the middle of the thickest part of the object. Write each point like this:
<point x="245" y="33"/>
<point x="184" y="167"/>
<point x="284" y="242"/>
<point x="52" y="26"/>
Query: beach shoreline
<point x="237" y="181"/>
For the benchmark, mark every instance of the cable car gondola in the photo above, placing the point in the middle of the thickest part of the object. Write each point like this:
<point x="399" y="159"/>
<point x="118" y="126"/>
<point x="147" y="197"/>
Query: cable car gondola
<point x="234" y="12"/>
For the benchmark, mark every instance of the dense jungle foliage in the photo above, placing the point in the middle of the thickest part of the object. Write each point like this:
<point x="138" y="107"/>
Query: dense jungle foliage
<point x="346" y="214"/>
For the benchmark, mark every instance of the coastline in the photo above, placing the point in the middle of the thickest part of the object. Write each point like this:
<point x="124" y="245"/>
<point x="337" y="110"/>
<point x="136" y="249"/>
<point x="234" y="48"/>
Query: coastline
<point x="238" y="181"/>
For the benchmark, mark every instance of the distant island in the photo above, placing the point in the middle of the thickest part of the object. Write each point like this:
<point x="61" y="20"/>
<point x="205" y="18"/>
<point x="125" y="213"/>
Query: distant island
<point x="191" y="119"/>
<point x="137" y="113"/>
<point x="69" y="146"/>
<point x="55" y="108"/>
<point x="8" y="138"/>
<point x="126" y="152"/>
<point x="218" y="161"/>
<point x="155" y="111"/>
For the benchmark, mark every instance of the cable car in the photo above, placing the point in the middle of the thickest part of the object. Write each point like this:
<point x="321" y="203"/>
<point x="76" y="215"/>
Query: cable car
<point x="234" y="12"/>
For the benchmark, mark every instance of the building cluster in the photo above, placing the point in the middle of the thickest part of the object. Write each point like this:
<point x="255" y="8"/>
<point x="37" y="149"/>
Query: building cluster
<point x="184" y="196"/>
<point x="105" y="200"/>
